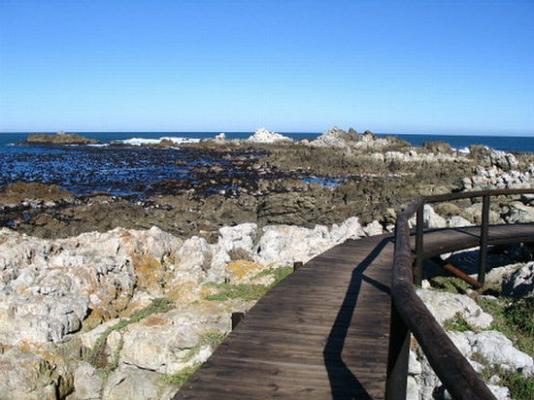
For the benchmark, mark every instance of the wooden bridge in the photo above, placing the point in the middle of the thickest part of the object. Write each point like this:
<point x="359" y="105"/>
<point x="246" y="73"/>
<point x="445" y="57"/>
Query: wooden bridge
<point x="339" y="327"/>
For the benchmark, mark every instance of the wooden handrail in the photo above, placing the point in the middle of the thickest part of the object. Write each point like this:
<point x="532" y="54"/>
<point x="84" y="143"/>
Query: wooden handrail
<point x="452" y="368"/>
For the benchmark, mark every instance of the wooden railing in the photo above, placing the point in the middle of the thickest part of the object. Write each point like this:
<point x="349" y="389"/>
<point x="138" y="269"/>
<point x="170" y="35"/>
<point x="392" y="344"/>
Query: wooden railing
<point x="409" y="313"/>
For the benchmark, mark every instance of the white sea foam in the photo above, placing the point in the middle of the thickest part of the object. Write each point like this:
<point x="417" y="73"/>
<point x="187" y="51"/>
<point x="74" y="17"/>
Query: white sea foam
<point x="98" y="145"/>
<point x="145" y="142"/>
<point x="464" y="150"/>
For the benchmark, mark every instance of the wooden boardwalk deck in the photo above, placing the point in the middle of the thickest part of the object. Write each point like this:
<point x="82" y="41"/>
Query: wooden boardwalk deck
<point x="323" y="333"/>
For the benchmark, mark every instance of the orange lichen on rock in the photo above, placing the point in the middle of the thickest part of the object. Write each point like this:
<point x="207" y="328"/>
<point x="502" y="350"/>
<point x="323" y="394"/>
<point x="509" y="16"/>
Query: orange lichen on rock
<point x="242" y="271"/>
<point x="149" y="271"/>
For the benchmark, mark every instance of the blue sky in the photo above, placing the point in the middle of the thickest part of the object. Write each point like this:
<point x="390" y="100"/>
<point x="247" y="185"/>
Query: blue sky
<point x="460" y="67"/>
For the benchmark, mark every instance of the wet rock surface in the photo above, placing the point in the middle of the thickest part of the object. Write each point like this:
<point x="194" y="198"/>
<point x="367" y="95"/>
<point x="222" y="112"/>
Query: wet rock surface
<point x="200" y="187"/>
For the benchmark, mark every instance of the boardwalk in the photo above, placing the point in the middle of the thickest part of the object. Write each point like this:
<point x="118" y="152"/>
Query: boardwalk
<point x="323" y="333"/>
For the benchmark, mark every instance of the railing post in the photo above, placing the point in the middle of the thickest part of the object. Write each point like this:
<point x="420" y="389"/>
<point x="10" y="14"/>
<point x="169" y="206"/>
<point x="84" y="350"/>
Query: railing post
<point x="297" y="265"/>
<point x="483" y="256"/>
<point x="398" y="358"/>
<point x="418" y="267"/>
<point x="237" y="317"/>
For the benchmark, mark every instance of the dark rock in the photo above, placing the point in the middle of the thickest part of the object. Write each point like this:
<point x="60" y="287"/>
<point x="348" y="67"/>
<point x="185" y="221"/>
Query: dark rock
<point x="58" y="139"/>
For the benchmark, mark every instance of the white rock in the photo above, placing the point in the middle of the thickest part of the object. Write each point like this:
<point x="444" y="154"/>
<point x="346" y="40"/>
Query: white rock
<point x="520" y="283"/>
<point x="194" y="256"/>
<point x="412" y="389"/>
<point x="414" y="366"/>
<point x="457" y="222"/>
<point x="87" y="382"/>
<point x="167" y="343"/>
<point x="89" y="339"/>
<point x="282" y="245"/>
<point x="528" y="372"/>
<point x="262" y="135"/>
<point x="349" y="229"/>
<point x="498" y="349"/>
<point x="131" y="383"/>
<point x="461" y="341"/>
<point x="500" y="392"/>
<point x="445" y="306"/>
<point x="26" y="376"/>
<point x="520" y="213"/>
<point x="431" y="219"/>
<point x="333" y="137"/>
<point x="240" y="236"/>
<point x="49" y="286"/>
<point x="374" y="228"/>
<point x="496" y="277"/>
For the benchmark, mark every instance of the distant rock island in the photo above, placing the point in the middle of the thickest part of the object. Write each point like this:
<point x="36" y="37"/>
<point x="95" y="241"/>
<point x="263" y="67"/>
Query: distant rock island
<point x="60" y="138"/>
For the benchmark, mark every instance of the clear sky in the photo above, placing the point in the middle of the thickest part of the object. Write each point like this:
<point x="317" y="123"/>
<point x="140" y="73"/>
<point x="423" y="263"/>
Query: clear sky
<point x="403" y="66"/>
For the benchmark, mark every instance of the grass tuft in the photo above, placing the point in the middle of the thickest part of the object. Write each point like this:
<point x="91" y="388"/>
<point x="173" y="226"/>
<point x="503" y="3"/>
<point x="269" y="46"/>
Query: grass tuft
<point x="449" y="284"/>
<point x="513" y="319"/>
<point x="521" y="388"/>
<point x="228" y="291"/>
<point x="181" y="377"/>
<point x="458" y="323"/>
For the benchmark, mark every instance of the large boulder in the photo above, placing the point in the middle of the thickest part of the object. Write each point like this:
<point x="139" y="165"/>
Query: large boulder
<point x="519" y="213"/>
<point x="497" y="349"/>
<point x="28" y="376"/>
<point x="169" y="342"/>
<point x="334" y="137"/>
<point x="282" y="245"/>
<point x="132" y="383"/>
<point x="520" y="282"/>
<point x="238" y="237"/>
<point x="262" y="135"/>
<point x="49" y="287"/>
<point x="88" y="382"/>
<point x="431" y="219"/>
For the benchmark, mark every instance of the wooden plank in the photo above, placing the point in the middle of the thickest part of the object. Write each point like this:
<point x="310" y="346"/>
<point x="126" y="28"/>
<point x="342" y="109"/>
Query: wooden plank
<point x="323" y="332"/>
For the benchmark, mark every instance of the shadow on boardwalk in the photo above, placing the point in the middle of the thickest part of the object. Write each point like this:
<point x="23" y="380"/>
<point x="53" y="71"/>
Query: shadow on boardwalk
<point x="344" y="384"/>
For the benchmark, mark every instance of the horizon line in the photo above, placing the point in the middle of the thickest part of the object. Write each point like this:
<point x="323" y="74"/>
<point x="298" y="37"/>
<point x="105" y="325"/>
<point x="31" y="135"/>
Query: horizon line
<point x="492" y="134"/>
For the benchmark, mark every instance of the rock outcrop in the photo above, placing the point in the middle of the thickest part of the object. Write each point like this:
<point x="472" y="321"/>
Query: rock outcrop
<point x="132" y="308"/>
<point x="59" y="138"/>
<point x="262" y="135"/>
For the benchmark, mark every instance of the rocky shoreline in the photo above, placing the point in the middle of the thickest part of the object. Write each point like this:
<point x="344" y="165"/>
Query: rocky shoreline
<point x="325" y="181"/>
<point x="92" y="286"/>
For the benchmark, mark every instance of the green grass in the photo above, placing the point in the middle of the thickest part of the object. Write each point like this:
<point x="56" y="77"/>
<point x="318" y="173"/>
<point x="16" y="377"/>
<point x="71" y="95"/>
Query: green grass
<point x="228" y="291"/>
<point x="449" y="284"/>
<point x="159" y="305"/>
<point x="98" y="358"/>
<point x="521" y="388"/>
<point x="513" y="319"/>
<point x="209" y="338"/>
<point x="181" y="377"/>
<point x="457" y="324"/>
<point x="520" y="314"/>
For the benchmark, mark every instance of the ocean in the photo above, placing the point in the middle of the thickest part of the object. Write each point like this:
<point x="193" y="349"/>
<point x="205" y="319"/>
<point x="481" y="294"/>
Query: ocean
<point x="505" y="143"/>
<point x="133" y="170"/>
